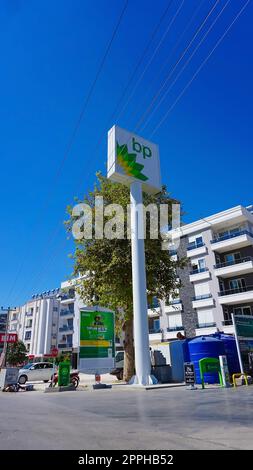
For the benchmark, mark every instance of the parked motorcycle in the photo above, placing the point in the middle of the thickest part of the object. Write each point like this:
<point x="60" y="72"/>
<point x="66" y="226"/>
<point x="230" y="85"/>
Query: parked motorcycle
<point x="74" y="379"/>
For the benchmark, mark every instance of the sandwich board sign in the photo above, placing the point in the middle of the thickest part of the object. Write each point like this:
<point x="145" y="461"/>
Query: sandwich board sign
<point x="132" y="158"/>
<point x="97" y="343"/>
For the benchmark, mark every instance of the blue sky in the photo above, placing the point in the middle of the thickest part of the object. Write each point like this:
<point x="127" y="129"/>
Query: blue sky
<point x="50" y="53"/>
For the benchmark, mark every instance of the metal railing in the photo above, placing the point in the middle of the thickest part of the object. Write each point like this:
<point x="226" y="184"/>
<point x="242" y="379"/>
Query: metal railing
<point x="194" y="245"/>
<point x="64" y="313"/>
<point x="175" y="328"/>
<point x="232" y="235"/>
<point x="227" y="322"/>
<point x="29" y="314"/>
<point x="202" y="297"/>
<point x="64" y="346"/>
<point x="174" y="302"/>
<point x="232" y="263"/>
<point x="66" y="328"/>
<point x="200" y="270"/>
<point x="206" y="325"/>
<point x="237" y="290"/>
<point x="172" y="252"/>
<point x="152" y="330"/>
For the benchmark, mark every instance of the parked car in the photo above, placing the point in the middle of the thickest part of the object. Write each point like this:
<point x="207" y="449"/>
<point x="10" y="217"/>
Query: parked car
<point x="119" y="365"/>
<point x="36" y="371"/>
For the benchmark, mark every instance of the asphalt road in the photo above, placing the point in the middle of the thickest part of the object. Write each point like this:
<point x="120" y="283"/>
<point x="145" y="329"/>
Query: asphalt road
<point x="169" y="419"/>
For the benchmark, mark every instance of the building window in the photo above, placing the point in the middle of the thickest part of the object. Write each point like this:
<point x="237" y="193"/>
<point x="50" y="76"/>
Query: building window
<point x="199" y="240"/>
<point x="237" y="284"/>
<point x="242" y="310"/>
<point x="232" y="257"/>
<point x="154" y="303"/>
<point x="28" y="335"/>
<point x="55" y="309"/>
<point x="28" y="347"/>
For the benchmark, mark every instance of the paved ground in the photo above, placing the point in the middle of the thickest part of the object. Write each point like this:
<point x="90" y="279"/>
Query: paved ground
<point x="117" y="418"/>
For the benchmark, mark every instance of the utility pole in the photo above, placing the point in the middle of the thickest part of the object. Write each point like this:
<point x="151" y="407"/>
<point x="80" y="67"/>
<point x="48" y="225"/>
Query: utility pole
<point x="3" y="355"/>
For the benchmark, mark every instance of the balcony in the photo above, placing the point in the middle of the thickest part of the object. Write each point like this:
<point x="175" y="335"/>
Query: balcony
<point x="28" y="314"/>
<point x="171" y="332"/>
<point x="201" y="301"/>
<point x="206" y="328"/>
<point x="228" y="326"/>
<point x="175" y="305"/>
<point x="236" y="296"/>
<point x="154" y="312"/>
<point x="28" y="327"/>
<point x="196" y="249"/>
<point x="67" y="298"/>
<point x="199" y="274"/>
<point x="65" y="313"/>
<point x="231" y="268"/>
<point x="206" y="325"/>
<point x="66" y="328"/>
<point x="65" y="346"/>
<point x="175" y="328"/>
<point x="232" y="241"/>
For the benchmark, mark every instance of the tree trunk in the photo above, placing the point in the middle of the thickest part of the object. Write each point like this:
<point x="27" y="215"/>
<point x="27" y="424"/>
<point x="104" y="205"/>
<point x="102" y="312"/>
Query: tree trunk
<point x="129" y="350"/>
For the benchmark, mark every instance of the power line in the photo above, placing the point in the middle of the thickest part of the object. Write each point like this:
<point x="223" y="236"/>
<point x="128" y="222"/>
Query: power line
<point x="187" y="62"/>
<point x="156" y="96"/>
<point x="175" y="47"/>
<point x="115" y="114"/>
<point x="153" y="55"/>
<point x="77" y="126"/>
<point x="154" y="32"/>
<point x="199" y="69"/>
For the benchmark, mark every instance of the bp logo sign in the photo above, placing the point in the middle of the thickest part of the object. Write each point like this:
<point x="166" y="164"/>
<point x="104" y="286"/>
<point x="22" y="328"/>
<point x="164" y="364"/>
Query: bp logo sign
<point x="131" y="157"/>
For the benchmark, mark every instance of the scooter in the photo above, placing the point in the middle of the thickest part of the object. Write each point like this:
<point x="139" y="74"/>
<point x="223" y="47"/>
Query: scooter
<point x="74" y="379"/>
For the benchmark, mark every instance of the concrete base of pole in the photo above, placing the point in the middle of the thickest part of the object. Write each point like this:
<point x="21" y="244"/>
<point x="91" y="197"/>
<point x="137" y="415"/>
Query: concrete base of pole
<point x="148" y="380"/>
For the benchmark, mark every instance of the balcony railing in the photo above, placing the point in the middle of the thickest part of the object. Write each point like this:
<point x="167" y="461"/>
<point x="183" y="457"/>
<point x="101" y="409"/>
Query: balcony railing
<point x="200" y="270"/>
<point x="66" y="328"/>
<point x="64" y="313"/>
<point x="233" y="262"/>
<point x="29" y="314"/>
<point x="206" y="325"/>
<point x="175" y="328"/>
<point x="67" y="296"/>
<point x="232" y="235"/>
<point x="237" y="290"/>
<point x="65" y="346"/>
<point x="174" y="302"/>
<point x="202" y="297"/>
<point x="194" y="245"/>
<point x="28" y="327"/>
<point x="227" y="322"/>
<point x="172" y="252"/>
<point x="154" y="330"/>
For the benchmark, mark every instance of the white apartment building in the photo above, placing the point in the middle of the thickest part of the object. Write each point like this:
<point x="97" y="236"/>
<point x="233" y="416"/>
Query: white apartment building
<point x="218" y="280"/>
<point x="36" y="322"/>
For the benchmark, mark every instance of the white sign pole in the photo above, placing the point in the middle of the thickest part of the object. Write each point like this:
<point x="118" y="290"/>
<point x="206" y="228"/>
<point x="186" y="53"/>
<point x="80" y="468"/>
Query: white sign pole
<point x="237" y="344"/>
<point x="141" y="337"/>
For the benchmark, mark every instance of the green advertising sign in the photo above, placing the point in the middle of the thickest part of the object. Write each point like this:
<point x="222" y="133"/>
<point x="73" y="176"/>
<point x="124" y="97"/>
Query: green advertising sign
<point x="96" y="335"/>
<point x="244" y="326"/>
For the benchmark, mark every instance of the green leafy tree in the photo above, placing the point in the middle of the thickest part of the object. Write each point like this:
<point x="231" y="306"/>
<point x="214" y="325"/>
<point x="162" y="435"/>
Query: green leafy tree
<point x="16" y="353"/>
<point x="107" y="268"/>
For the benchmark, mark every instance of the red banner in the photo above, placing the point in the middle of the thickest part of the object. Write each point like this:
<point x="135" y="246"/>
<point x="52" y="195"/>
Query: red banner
<point x="9" y="337"/>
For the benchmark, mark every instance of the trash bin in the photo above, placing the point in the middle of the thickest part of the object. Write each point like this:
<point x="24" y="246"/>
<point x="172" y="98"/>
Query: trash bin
<point x="64" y="374"/>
